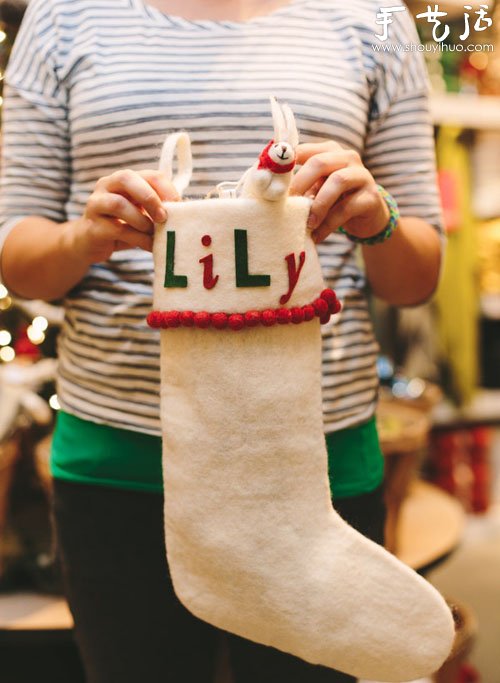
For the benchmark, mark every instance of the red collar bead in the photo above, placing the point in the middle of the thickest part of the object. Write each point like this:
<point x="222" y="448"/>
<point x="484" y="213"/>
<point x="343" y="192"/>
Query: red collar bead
<point x="323" y="308"/>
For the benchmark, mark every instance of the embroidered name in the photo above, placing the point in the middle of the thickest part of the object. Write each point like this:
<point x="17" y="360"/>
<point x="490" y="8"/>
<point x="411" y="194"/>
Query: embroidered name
<point x="243" y="276"/>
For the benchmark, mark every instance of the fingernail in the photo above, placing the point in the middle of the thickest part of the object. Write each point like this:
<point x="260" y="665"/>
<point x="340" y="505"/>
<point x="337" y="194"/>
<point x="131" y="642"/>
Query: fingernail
<point x="161" y="215"/>
<point x="312" y="221"/>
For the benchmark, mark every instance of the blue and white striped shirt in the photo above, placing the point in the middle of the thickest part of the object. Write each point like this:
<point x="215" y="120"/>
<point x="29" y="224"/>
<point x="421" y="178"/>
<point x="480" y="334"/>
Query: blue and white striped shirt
<point x="94" y="86"/>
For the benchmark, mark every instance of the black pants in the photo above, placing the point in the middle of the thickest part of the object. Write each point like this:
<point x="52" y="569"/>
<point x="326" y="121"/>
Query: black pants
<point x="129" y="625"/>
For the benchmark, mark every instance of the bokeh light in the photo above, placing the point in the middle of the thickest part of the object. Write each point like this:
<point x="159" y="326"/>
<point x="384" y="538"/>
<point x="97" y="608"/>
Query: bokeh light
<point x="7" y="354"/>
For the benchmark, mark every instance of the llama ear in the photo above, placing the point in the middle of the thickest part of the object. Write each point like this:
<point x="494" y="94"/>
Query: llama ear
<point x="278" y="120"/>
<point x="292" y="134"/>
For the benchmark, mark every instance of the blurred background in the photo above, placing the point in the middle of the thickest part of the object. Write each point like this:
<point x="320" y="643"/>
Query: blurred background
<point x="439" y="412"/>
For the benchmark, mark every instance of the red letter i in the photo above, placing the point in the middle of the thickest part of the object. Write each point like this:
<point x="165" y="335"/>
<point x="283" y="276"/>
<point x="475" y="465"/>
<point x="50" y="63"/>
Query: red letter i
<point x="209" y="281"/>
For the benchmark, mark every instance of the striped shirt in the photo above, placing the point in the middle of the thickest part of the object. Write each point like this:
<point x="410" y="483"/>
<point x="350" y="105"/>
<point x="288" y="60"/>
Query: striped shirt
<point x="93" y="86"/>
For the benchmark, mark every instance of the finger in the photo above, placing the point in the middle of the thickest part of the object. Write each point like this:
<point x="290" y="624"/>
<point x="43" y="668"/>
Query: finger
<point x="160" y="183"/>
<point x="124" y="236"/>
<point x="138" y="190"/>
<point x="308" y="149"/>
<point x="320" y="166"/>
<point x="313" y="191"/>
<point x="118" y="206"/>
<point x="127" y="235"/>
<point x="121" y="246"/>
<point x="353" y="205"/>
<point x="345" y="180"/>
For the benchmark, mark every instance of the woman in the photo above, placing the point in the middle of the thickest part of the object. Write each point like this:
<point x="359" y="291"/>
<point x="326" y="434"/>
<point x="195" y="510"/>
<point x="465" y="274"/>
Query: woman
<point x="92" y="90"/>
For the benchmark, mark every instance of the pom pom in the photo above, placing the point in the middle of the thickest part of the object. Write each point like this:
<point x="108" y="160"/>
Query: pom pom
<point x="171" y="319"/>
<point x="331" y="299"/>
<point x="252" y="318"/>
<point x="297" y="315"/>
<point x="320" y="307"/>
<point x="236" y="321"/>
<point x="329" y="296"/>
<point x="154" y="319"/>
<point x="219" y="320"/>
<point x="309" y="312"/>
<point x="202" y="319"/>
<point x="268" y="318"/>
<point x="187" y="318"/>
<point x="283" y="316"/>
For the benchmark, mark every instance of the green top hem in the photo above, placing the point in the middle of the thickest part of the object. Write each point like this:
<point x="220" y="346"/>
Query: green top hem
<point x="91" y="453"/>
<point x="59" y="473"/>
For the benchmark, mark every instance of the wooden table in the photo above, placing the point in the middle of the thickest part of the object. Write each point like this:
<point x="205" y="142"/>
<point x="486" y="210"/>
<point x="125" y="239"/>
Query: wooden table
<point x="430" y="526"/>
<point x="30" y="615"/>
<point x="424" y="524"/>
<point x="36" y="640"/>
<point x="403" y="432"/>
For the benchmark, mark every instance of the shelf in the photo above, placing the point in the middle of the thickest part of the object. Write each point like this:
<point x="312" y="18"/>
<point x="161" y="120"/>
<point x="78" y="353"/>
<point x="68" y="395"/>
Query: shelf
<point x="484" y="409"/>
<point x="479" y="112"/>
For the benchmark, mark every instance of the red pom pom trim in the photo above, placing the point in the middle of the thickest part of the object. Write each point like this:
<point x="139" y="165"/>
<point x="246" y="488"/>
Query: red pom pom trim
<point x="219" y="320"/>
<point x="283" y="316"/>
<point x="297" y="314"/>
<point x="269" y="318"/>
<point x="309" y="312"/>
<point x="172" y="319"/>
<point x="202" y="319"/>
<point x="154" y="319"/>
<point x="187" y="318"/>
<point x="337" y="307"/>
<point x="328" y="295"/>
<point x="236" y="321"/>
<point x="323" y="308"/>
<point x="252" y="318"/>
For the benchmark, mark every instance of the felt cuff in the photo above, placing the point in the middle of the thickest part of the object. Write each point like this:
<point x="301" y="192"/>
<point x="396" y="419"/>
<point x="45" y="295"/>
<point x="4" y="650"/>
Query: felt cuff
<point x="277" y="254"/>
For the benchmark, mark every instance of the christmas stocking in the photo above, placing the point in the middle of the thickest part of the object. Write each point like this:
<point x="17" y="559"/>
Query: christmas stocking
<point x="253" y="543"/>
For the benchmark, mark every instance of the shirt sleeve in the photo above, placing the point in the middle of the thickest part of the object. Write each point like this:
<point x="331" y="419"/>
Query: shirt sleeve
<point x="35" y="137"/>
<point x="399" y="147"/>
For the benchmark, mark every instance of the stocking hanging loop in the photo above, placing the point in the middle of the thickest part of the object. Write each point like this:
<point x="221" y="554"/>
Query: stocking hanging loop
<point x="177" y="144"/>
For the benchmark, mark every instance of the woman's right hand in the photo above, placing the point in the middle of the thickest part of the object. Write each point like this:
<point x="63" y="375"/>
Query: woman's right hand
<point x="120" y="214"/>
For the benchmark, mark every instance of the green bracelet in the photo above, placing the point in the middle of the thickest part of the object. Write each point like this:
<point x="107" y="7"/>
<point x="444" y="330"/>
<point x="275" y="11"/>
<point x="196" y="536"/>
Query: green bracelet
<point x="389" y="228"/>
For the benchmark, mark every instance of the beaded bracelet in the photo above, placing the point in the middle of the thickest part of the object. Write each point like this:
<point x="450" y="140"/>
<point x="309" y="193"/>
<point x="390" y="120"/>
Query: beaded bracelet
<point x="389" y="228"/>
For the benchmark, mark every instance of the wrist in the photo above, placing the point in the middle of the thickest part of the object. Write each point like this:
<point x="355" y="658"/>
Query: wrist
<point x="385" y="232"/>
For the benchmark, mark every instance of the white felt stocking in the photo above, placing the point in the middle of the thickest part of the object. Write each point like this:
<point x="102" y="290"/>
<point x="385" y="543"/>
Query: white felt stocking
<point x="254" y="545"/>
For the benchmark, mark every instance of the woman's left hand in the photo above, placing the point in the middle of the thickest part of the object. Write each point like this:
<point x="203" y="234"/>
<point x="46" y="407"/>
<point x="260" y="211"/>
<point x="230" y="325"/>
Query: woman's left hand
<point x="344" y="192"/>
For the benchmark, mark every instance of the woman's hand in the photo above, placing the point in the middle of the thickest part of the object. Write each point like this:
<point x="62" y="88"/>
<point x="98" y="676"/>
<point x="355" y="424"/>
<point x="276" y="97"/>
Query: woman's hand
<point x="120" y="214"/>
<point x="344" y="192"/>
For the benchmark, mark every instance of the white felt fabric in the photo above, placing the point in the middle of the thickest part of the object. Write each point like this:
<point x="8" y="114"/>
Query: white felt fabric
<point x="177" y="145"/>
<point x="253" y="543"/>
<point x="274" y="230"/>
